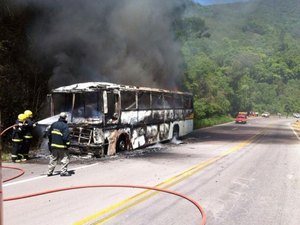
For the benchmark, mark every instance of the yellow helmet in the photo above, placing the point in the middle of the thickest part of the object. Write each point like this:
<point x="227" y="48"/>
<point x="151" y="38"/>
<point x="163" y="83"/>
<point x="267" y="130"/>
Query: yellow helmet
<point x="28" y="113"/>
<point x="22" y="117"/>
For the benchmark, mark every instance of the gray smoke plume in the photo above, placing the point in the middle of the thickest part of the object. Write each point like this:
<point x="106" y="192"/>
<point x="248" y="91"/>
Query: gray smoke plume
<point x="123" y="41"/>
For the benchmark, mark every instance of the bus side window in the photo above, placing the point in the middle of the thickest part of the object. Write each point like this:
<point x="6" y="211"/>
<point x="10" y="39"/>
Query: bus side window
<point x="178" y="101"/>
<point x="128" y="100"/>
<point x="168" y="101"/>
<point x="144" y="100"/>
<point x="188" y="104"/>
<point x="157" y="101"/>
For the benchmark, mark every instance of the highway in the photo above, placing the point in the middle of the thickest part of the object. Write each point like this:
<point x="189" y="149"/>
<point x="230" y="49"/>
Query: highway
<point x="241" y="174"/>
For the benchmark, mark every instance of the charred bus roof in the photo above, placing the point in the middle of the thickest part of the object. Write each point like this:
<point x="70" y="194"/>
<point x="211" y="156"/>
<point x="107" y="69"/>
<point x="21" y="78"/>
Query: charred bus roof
<point x="98" y="86"/>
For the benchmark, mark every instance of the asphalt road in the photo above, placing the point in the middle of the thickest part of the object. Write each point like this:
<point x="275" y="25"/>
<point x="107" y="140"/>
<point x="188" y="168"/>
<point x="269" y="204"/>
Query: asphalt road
<point x="240" y="174"/>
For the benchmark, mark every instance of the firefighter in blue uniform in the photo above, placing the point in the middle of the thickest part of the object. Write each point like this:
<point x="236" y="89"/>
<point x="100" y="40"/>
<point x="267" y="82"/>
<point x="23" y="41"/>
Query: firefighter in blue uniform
<point x="59" y="142"/>
<point x="28" y="128"/>
<point x="17" y="139"/>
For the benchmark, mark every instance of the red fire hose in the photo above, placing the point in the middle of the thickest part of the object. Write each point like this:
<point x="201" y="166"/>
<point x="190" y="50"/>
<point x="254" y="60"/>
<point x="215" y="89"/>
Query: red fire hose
<point x="203" y="221"/>
<point x="7" y="129"/>
<point x="14" y="177"/>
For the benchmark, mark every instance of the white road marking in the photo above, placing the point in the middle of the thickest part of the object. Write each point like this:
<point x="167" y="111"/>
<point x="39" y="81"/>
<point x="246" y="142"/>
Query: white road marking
<point x="39" y="177"/>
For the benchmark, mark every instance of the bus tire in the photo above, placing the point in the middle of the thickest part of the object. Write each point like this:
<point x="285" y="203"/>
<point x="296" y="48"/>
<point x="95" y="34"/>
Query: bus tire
<point x="99" y="152"/>
<point x="122" y="143"/>
<point x="105" y="147"/>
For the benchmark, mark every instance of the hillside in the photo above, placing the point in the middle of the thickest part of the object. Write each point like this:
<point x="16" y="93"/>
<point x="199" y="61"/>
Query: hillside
<point x="253" y="48"/>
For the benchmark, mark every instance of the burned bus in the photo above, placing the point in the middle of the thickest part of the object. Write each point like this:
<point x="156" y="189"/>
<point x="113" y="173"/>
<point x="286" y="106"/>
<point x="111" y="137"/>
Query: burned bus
<point x="106" y="118"/>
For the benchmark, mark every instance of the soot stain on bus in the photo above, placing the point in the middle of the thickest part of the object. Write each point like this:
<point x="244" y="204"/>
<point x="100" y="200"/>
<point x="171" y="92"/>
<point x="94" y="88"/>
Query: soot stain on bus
<point x="107" y="118"/>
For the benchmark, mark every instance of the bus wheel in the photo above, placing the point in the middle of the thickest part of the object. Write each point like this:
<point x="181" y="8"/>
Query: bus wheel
<point x="176" y="132"/>
<point x="99" y="152"/>
<point x="122" y="144"/>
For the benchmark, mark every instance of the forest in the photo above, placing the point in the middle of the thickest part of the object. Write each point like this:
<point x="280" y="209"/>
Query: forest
<point x="231" y="57"/>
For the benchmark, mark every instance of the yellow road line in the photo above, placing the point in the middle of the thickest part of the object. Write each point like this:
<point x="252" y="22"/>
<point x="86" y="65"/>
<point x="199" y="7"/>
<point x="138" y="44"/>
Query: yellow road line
<point x="296" y="129"/>
<point x="144" y="195"/>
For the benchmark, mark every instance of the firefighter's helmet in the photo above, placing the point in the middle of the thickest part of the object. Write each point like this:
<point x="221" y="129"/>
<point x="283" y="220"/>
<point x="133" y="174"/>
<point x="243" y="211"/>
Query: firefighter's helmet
<point x="22" y="117"/>
<point x="28" y="113"/>
<point x="63" y="115"/>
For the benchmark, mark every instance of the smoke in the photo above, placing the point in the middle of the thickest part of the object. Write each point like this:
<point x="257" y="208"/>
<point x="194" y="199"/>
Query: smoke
<point x="122" y="41"/>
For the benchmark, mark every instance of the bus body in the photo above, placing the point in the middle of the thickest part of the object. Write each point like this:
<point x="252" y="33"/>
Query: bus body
<point x="105" y="118"/>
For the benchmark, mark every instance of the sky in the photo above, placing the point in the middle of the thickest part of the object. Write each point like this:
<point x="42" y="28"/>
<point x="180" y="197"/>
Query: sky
<point x="213" y="2"/>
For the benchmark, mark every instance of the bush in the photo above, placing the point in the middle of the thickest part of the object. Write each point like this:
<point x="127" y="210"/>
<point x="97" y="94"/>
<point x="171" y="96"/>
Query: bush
<point x="212" y="121"/>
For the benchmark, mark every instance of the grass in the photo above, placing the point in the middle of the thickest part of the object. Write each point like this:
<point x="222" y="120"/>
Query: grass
<point x="212" y="121"/>
<point x="5" y="150"/>
<point x="5" y="156"/>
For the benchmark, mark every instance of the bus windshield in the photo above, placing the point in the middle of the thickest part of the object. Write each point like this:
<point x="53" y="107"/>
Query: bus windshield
<point x="87" y="106"/>
<point x="62" y="102"/>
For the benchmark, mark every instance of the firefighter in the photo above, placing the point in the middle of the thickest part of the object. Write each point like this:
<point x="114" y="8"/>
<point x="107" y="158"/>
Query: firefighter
<point x="17" y="139"/>
<point x="28" y="128"/>
<point x="59" y="142"/>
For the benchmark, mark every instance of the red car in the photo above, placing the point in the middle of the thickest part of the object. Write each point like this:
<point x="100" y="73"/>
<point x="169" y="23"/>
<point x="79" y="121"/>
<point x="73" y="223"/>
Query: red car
<point x="241" y="118"/>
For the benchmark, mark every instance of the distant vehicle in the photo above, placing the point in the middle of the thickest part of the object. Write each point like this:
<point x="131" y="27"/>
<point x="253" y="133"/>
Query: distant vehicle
<point x="296" y="115"/>
<point x="254" y="114"/>
<point x="241" y="118"/>
<point x="243" y="113"/>
<point x="265" y="114"/>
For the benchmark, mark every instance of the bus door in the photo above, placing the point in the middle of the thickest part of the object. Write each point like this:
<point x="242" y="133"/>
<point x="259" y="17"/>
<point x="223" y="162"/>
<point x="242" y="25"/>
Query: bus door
<point x="111" y="106"/>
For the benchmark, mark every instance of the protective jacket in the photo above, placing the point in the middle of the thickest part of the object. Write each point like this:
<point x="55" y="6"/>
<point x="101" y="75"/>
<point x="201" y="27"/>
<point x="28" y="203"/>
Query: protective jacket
<point x="18" y="132"/>
<point x="58" y="134"/>
<point x="28" y="127"/>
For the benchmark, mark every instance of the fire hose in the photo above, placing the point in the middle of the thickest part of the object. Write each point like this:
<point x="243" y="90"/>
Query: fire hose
<point x="7" y="129"/>
<point x="199" y="207"/>
<point x="16" y="176"/>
